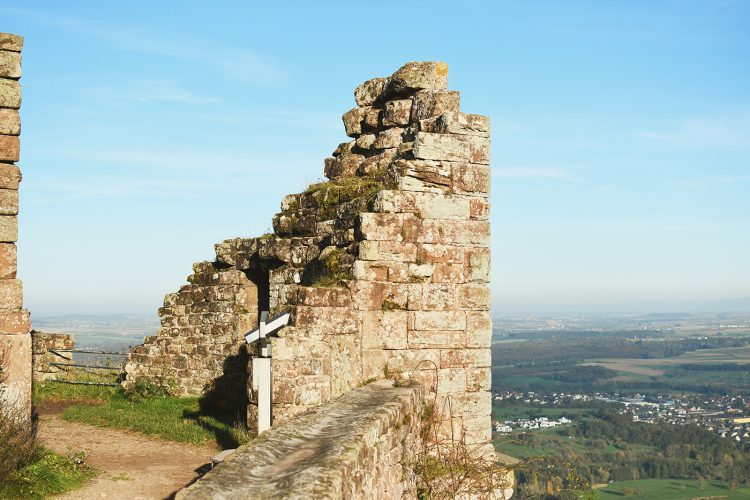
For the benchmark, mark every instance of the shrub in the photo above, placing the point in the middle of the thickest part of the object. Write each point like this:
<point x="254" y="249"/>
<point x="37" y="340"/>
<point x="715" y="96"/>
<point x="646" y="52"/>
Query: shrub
<point x="18" y="441"/>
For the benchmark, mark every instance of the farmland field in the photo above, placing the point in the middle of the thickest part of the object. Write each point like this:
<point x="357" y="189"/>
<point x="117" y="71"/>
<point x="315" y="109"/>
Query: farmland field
<point x="672" y="489"/>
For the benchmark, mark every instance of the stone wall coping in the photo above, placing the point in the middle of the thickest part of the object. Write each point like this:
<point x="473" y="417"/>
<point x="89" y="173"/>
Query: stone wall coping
<point x="309" y="456"/>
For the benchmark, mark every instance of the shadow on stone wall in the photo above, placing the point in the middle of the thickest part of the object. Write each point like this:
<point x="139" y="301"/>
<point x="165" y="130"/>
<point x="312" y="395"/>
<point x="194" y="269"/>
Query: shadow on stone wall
<point x="226" y="401"/>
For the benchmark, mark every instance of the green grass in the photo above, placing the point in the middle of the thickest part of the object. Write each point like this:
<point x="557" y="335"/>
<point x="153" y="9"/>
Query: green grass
<point x="47" y="474"/>
<point x="184" y="420"/>
<point x="170" y="418"/>
<point x="673" y="489"/>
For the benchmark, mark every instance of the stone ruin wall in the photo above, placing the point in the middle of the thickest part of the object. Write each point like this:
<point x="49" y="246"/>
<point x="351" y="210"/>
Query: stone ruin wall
<point x="15" y="341"/>
<point x="48" y="349"/>
<point x="384" y="267"/>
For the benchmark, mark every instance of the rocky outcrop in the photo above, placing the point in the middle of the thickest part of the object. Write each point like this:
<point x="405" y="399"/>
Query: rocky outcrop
<point x="15" y="341"/>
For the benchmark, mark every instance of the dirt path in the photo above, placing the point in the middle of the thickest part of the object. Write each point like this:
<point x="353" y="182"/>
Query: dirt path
<point x="132" y="466"/>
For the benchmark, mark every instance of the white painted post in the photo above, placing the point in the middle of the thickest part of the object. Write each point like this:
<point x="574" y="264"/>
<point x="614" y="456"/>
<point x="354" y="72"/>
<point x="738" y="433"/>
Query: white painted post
<point x="262" y="365"/>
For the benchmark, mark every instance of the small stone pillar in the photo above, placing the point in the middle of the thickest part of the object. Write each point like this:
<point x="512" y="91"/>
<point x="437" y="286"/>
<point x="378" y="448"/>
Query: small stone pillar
<point x="15" y="341"/>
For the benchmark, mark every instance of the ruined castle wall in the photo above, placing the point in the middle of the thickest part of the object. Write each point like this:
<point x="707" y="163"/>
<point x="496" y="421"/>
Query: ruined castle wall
<point x="15" y="341"/>
<point x="48" y="349"/>
<point x="384" y="267"/>
<point x="362" y="445"/>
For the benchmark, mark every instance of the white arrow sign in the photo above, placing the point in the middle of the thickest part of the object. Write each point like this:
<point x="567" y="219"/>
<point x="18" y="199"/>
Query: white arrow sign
<point x="262" y="365"/>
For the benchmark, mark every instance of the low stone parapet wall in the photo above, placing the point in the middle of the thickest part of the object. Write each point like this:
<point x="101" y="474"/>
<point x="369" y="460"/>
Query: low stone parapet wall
<point x="48" y="349"/>
<point x="353" y="447"/>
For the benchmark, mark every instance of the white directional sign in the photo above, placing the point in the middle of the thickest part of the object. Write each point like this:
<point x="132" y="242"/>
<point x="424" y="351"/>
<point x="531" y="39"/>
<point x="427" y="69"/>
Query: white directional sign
<point x="262" y="365"/>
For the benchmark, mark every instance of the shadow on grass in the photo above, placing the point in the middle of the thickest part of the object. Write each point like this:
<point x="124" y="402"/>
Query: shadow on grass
<point x="223" y="407"/>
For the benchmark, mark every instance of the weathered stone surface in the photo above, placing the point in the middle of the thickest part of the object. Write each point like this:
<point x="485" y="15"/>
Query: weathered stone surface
<point x="11" y="295"/>
<point x="428" y="104"/>
<point x="15" y="390"/>
<point x="384" y="330"/>
<point x="8" y="228"/>
<point x="353" y="447"/>
<point x="8" y="202"/>
<point x="9" y="41"/>
<point x="397" y="113"/>
<point x="379" y="227"/>
<point x="15" y="322"/>
<point x="10" y="148"/>
<point x="367" y="93"/>
<point x="353" y="121"/>
<point x="10" y="176"/>
<point x="10" y="122"/>
<point x="7" y="261"/>
<point x="471" y="179"/>
<point x="438" y="320"/>
<point x="342" y="166"/>
<point x="10" y="94"/>
<point x="10" y="64"/>
<point x="389" y="138"/>
<point x="415" y="76"/>
<point x="50" y="348"/>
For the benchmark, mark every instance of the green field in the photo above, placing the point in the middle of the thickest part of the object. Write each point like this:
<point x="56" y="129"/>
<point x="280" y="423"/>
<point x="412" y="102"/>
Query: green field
<point x="672" y="489"/>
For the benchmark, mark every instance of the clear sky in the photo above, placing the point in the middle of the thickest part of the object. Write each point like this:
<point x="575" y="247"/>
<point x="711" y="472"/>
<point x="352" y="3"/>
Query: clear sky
<point x="620" y="134"/>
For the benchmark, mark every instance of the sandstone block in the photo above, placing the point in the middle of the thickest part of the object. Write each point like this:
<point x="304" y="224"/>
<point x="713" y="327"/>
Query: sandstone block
<point x="437" y="339"/>
<point x="343" y="166"/>
<point x="477" y="261"/>
<point x="376" y="163"/>
<point x="378" y="227"/>
<point x="9" y="41"/>
<point x="11" y="295"/>
<point x="397" y="113"/>
<point x="369" y="92"/>
<point x="365" y="142"/>
<point x="368" y="250"/>
<point x="425" y="176"/>
<point x="465" y="358"/>
<point x="10" y="64"/>
<point x="10" y="122"/>
<point x="15" y="322"/>
<point x="377" y="295"/>
<point x="389" y="138"/>
<point x="438" y="297"/>
<point x="7" y="261"/>
<point x="370" y="271"/>
<point x="448" y="273"/>
<point x="10" y="148"/>
<point x="394" y="201"/>
<point x="389" y="250"/>
<point x="372" y="120"/>
<point x="474" y="297"/>
<point x="438" y="320"/>
<point x="479" y="208"/>
<point x="467" y="404"/>
<point x="8" y="202"/>
<point x="439" y="206"/>
<point x="10" y="94"/>
<point x="440" y="254"/>
<point x="479" y="149"/>
<point x="473" y="232"/>
<point x="479" y="379"/>
<point x="478" y="328"/>
<point x="428" y="104"/>
<point x="322" y="297"/>
<point x="10" y="176"/>
<point x="353" y="121"/>
<point x="471" y="179"/>
<point x="384" y="330"/>
<point x="9" y="228"/>
<point x="326" y="320"/>
<point x="454" y="122"/>
<point x="451" y="381"/>
<point x="429" y="146"/>
<point x="15" y="391"/>
<point x="398" y="272"/>
<point x="438" y="231"/>
<point x="414" y="76"/>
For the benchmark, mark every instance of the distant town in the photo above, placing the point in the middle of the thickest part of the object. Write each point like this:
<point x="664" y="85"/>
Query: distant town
<point x="724" y="415"/>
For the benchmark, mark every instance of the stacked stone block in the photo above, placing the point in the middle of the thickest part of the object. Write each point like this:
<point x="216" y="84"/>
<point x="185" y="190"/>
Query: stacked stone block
<point x="48" y="349"/>
<point x="200" y="342"/>
<point x="385" y="266"/>
<point x="15" y="341"/>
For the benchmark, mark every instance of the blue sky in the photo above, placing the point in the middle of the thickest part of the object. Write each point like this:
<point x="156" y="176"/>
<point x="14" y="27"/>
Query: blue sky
<point x="620" y="133"/>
